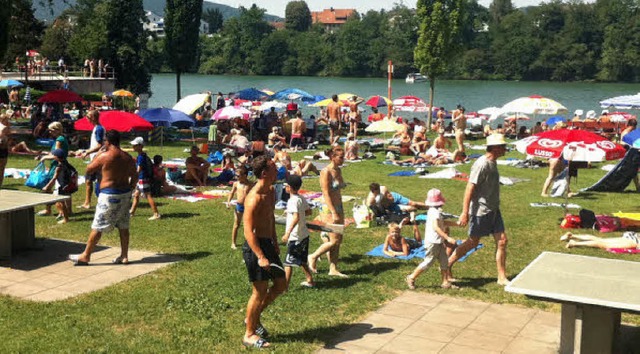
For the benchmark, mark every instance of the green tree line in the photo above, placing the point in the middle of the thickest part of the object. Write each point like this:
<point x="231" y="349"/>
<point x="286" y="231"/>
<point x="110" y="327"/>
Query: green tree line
<point x="555" y="41"/>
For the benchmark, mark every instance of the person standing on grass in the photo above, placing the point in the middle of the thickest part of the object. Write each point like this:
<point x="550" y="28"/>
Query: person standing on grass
<point x="241" y="188"/>
<point x="434" y="235"/>
<point x="62" y="179"/>
<point x="61" y="143"/>
<point x="332" y="212"/>
<point x="296" y="234"/>
<point x="119" y="178"/>
<point x="5" y="134"/>
<point x="481" y="206"/>
<point x="97" y="139"/>
<point x="144" y="167"/>
<point x="333" y="113"/>
<point x="260" y="251"/>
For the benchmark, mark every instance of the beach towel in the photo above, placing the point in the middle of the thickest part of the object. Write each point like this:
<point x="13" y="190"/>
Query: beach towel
<point x="623" y="250"/>
<point x="448" y="173"/>
<point x="510" y="181"/>
<point x="416" y="252"/>
<point x="402" y="174"/>
<point x="17" y="173"/>
<point x="559" y="205"/>
<point x="199" y="196"/>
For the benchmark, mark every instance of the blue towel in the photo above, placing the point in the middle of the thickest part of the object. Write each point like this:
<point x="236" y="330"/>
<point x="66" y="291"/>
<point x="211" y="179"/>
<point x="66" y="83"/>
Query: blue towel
<point x="416" y="252"/>
<point x="402" y="174"/>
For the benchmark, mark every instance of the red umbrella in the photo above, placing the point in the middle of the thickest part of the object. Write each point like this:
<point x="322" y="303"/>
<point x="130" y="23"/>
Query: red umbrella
<point x="410" y="104"/>
<point x="378" y="101"/>
<point x="574" y="145"/>
<point x="116" y="120"/>
<point x="60" y="96"/>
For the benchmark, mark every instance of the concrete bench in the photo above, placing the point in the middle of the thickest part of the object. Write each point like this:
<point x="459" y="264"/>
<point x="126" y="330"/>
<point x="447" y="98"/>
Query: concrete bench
<point x="593" y="293"/>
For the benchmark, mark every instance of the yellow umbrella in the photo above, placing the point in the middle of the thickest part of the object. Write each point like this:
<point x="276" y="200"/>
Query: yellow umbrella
<point x="122" y="93"/>
<point x="341" y="98"/>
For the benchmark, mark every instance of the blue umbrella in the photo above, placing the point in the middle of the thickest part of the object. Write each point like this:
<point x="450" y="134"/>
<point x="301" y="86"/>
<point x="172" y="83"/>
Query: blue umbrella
<point x="10" y="83"/>
<point x="554" y="120"/>
<point x="316" y="99"/>
<point x="632" y="138"/>
<point x="167" y="117"/>
<point x="284" y="94"/>
<point x="251" y="94"/>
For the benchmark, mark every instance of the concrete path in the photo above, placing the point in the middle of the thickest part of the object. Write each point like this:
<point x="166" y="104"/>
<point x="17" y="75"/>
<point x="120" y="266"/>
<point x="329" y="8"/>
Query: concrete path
<point x="45" y="274"/>
<point x="417" y="322"/>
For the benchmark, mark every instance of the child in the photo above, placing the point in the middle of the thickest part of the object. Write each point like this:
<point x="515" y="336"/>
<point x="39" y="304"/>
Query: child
<point x="241" y="187"/>
<point x="62" y="178"/>
<point x="435" y="233"/>
<point x="145" y="178"/>
<point x="296" y="233"/>
<point x="399" y="245"/>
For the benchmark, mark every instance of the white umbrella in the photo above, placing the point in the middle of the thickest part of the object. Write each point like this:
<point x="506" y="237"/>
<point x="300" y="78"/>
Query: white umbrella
<point x="275" y="104"/>
<point x="622" y="102"/>
<point x="231" y="112"/>
<point x="534" y="105"/>
<point x="191" y="103"/>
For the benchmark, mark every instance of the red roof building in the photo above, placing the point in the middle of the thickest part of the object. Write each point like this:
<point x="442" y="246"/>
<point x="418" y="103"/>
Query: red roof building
<point x="331" y="18"/>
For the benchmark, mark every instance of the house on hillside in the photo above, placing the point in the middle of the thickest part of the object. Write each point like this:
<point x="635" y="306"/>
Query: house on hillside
<point x="154" y="23"/>
<point x="331" y="18"/>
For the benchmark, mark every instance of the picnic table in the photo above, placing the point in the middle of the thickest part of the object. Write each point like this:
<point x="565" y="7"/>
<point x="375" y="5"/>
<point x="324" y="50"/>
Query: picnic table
<point x="17" y="221"/>
<point x="593" y="293"/>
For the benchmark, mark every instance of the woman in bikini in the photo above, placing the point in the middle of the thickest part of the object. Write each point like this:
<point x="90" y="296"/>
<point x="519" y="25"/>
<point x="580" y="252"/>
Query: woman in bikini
<point x="332" y="212"/>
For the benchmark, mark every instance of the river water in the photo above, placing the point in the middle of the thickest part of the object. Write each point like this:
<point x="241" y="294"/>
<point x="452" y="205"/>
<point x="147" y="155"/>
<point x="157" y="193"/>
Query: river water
<point x="474" y="95"/>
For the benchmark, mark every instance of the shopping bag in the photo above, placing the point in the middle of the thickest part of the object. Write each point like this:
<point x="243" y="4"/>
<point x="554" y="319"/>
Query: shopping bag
<point x="39" y="177"/>
<point x="362" y="215"/>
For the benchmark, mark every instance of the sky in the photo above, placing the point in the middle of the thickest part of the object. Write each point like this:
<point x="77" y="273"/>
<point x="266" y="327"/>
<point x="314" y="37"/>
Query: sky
<point x="276" y="7"/>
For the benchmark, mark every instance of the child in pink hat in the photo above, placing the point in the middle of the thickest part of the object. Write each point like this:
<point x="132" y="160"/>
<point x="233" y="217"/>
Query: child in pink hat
<point x="435" y="233"/>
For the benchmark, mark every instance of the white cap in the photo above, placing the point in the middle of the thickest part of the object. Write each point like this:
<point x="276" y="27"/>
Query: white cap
<point x="591" y="114"/>
<point x="137" y="141"/>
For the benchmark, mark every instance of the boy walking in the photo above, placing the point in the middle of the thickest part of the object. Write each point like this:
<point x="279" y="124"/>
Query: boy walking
<point x="296" y="233"/>
<point x="144" y="167"/>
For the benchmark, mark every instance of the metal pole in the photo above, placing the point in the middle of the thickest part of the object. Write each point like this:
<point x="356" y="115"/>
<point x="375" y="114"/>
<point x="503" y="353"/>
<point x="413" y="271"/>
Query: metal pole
<point x="390" y="75"/>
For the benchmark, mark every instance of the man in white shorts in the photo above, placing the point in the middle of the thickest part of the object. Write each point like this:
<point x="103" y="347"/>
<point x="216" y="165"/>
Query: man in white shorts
<point x="119" y="178"/>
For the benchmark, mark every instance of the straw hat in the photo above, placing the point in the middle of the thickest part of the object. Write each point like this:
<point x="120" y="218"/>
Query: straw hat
<point x="434" y="198"/>
<point x="496" y="139"/>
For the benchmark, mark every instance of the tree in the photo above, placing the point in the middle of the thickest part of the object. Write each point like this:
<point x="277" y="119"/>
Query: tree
<point x="400" y="38"/>
<point x="297" y="16"/>
<point x="127" y="44"/>
<point x="214" y="18"/>
<point x="499" y="9"/>
<point x="56" y="39"/>
<point x="182" y="26"/>
<point x="88" y="39"/>
<point x="4" y="27"/>
<point x="440" y="38"/>
<point x="25" y="31"/>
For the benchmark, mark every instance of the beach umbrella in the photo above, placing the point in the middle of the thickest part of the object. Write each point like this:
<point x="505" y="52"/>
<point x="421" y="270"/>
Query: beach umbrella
<point x="378" y="101"/>
<point x="385" y="126"/>
<point x="573" y="145"/>
<point x="410" y="104"/>
<point x="60" y="96"/>
<point x="343" y="99"/>
<point x="622" y="102"/>
<point x="251" y="94"/>
<point x="293" y="94"/>
<point x="122" y="93"/>
<point x="632" y="138"/>
<point x="266" y="106"/>
<point x="231" y="112"/>
<point x="116" y="120"/>
<point x="555" y="120"/>
<point x="268" y="92"/>
<point x="534" y="105"/>
<point x="11" y="83"/>
<point x="516" y="117"/>
<point x="316" y="99"/>
<point x="190" y="104"/>
<point x="167" y="117"/>
<point x="620" y="116"/>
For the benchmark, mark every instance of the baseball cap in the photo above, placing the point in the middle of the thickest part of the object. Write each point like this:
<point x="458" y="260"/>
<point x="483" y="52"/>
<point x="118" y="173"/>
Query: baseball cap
<point x="137" y="141"/>
<point x="59" y="153"/>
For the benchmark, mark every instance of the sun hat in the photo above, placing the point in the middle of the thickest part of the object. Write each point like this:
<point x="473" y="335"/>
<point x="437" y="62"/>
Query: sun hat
<point x="434" y="198"/>
<point x="578" y="112"/>
<point x="496" y="139"/>
<point x="55" y="126"/>
<point x="137" y="141"/>
<point x="591" y="114"/>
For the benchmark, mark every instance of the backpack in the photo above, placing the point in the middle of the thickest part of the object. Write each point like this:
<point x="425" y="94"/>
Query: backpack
<point x="570" y="222"/>
<point x="72" y="180"/>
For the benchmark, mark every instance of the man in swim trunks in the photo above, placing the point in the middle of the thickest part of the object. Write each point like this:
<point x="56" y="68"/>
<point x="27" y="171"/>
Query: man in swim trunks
<point x="460" y="123"/>
<point x="298" y="128"/>
<point x="260" y="251"/>
<point x="4" y="144"/>
<point x="197" y="169"/>
<point x="481" y="206"/>
<point x="119" y="178"/>
<point x="333" y="111"/>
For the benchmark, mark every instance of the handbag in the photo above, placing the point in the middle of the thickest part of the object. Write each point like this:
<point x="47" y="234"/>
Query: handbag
<point x="39" y="177"/>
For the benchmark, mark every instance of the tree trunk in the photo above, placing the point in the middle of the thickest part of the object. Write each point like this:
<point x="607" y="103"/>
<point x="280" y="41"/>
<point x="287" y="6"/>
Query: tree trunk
<point x="432" y="85"/>
<point x="178" y="86"/>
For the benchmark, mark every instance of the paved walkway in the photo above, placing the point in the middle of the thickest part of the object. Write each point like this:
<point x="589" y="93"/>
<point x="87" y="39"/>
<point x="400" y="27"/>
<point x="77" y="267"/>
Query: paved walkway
<point x="44" y="274"/>
<point x="417" y="322"/>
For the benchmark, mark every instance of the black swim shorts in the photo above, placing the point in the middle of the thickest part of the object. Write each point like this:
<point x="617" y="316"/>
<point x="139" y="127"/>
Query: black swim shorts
<point x="257" y="273"/>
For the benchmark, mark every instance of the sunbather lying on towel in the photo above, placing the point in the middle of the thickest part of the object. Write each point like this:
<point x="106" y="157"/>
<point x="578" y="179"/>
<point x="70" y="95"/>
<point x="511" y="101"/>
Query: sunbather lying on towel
<point x="396" y="245"/>
<point x="628" y="239"/>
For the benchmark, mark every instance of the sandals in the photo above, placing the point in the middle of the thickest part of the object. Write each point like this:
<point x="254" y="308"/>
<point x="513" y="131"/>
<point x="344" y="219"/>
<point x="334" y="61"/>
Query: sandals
<point x="260" y="343"/>
<point x="411" y="283"/>
<point x="74" y="258"/>
<point x="306" y="284"/>
<point x="260" y="330"/>
<point x="120" y="260"/>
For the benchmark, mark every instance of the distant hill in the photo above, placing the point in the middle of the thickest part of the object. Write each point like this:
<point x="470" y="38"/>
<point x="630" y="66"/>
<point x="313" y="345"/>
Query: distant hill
<point x="47" y="13"/>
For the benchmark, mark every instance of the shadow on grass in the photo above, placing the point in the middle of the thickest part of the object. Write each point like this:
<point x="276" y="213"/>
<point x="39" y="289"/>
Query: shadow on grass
<point x="475" y="282"/>
<point x="179" y="215"/>
<point x="375" y="268"/>
<point x="335" y="335"/>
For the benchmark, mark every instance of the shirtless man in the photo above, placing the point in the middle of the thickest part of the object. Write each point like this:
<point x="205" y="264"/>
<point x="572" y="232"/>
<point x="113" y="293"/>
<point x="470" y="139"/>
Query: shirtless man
<point x="460" y="122"/>
<point x="275" y="139"/>
<point x="260" y="251"/>
<point x="354" y="115"/>
<point x="119" y="178"/>
<point x="239" y="190"/>
<point x="333" y="111"/>
<point x="298" y="128"/>
<point x="197" y="168"/>
<point x="13" y="99"/>
<point x="4" y="144"/>
<point x="442" y="143"/>
<point x="97" y="139"/>
<point x="282" y="157"/>
<point x="380" y="197"/>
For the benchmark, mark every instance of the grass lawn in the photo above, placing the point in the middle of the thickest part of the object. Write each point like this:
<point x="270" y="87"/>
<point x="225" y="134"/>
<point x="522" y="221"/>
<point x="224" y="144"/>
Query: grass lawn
<point x="198" y="305"/>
